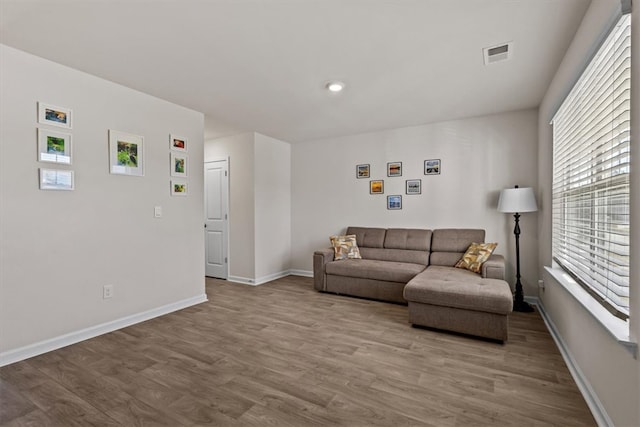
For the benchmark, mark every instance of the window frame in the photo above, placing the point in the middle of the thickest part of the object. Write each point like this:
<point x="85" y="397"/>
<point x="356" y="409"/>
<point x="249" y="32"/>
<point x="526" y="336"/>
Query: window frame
<point x="577" y="270"/>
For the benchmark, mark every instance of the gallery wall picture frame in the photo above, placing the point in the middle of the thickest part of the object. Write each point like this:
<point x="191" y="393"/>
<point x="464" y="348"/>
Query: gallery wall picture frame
<point x="413" y="186"/>
<point x="376" y="186"/>
<point x="56" y="179"/>
<point x="178" y="143"/>
<point x="394" y="169"/>
<point x="54" y="147"/>
<point x="179" y="164"/>
<point x="179" y="188"/>
<point x="363" y="171"/>
<point x="432" y="167"/>
<point x="126" y="153"/>
<point x="394" y="202"/>
<point x="55" y="116"/>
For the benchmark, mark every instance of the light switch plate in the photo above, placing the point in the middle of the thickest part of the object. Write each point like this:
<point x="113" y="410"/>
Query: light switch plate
<point x="157" y="212"/>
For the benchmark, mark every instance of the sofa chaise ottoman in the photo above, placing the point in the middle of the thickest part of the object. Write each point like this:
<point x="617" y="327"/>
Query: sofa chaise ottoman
<point x="460" y="301"/>
<point x="456" y="299"/>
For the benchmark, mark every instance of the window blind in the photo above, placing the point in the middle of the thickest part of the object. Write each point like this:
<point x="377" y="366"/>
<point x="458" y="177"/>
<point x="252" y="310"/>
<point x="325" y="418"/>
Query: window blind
<point x="591" y="162"/>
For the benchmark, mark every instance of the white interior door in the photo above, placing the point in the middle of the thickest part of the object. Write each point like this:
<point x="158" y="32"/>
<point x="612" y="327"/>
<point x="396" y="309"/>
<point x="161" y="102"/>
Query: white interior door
<point x="216" y="185"/>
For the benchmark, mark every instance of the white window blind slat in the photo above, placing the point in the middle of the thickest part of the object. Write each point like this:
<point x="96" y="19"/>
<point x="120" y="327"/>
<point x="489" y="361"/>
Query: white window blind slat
<point x="590" y="182"/>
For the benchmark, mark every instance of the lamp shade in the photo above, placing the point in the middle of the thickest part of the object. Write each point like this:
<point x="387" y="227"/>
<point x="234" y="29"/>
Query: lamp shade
<point x="516" y="200"/>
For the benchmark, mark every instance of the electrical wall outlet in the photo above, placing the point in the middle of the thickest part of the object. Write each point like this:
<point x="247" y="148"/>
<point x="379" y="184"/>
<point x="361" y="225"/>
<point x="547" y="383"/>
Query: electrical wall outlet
<point x="107" y="291"/>
<point x="541" y="284"/>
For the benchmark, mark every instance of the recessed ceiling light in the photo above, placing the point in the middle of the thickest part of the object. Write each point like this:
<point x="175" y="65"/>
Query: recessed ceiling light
<point x="335" y="86"/>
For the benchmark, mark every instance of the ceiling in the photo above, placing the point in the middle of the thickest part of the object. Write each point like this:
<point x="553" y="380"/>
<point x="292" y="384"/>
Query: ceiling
<point x="261" y="65"/>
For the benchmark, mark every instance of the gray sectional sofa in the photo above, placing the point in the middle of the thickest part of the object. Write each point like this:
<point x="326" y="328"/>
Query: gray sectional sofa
<point x="416" y="267"/>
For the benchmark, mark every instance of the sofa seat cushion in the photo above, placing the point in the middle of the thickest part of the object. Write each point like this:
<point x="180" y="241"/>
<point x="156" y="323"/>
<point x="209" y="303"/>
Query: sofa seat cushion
<point x="389" y="271"/>
<point x="453" y="287"/>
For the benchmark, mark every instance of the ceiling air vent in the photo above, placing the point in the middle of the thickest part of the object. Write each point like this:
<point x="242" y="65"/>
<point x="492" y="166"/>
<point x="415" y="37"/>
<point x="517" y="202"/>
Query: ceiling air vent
<point x="497" y="53"/>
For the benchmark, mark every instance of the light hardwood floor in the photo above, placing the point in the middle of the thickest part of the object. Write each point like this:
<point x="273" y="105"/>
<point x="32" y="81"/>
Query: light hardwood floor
<point x="283" y="354"/>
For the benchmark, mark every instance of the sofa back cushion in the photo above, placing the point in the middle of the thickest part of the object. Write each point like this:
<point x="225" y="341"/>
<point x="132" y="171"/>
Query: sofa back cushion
<point x="406" y="238"/>
<point x="395" y="244"/>
<point x="367" y="237"/>
<point x="448" y="245"/>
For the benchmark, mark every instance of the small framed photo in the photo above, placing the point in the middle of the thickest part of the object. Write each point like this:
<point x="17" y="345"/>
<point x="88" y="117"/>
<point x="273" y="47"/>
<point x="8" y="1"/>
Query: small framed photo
<point x="54" y="179"/>
<point x="54" y="147"/>
<point x="394" y="169"/>
<point x="394" y="202"/>
<point x="179" y="164"/>
<point x="362" y="171"/>
<point x="414" y="186"/>
<point x="54" y="116"/>
<point x="178" y="143"/>
<point x="179" y="188"/>
<point x="126" y="153"/>
<point x="432" y="167"/>
<point x="376" y="186"/>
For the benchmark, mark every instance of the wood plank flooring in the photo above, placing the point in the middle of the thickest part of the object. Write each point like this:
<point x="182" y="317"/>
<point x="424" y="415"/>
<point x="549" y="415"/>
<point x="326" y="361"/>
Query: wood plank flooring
<point x="283" y="354"/>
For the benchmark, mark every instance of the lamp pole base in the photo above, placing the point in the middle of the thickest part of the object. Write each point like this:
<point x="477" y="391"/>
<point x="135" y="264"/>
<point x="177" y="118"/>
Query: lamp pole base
<point x="522" y="307"/>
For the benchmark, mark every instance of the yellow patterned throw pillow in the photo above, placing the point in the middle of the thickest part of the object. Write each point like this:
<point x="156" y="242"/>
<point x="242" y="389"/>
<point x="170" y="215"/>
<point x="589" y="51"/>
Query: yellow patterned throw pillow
<point x="476" y="255"/>
<point x="345" y="247"/>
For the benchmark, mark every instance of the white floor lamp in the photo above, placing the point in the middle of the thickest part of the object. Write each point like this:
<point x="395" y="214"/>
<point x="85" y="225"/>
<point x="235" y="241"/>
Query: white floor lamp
<point x="518" y="200"/>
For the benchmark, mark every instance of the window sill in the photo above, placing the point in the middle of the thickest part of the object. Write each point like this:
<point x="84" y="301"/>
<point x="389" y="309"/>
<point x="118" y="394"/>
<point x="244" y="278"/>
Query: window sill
<point x="617" y="328"/>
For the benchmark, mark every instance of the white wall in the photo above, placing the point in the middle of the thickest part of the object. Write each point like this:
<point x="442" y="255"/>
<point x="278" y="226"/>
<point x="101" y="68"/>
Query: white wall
<point x="260" y="205"/>
<point x="480" y="156"/>
<point x="609" y="369"/>
<point x="59" y="248"/>
<point x="240" y="151"/>
<point x="273" y="207"/>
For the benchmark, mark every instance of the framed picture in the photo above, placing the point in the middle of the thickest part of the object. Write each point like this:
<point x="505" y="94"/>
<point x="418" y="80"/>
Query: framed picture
<point x="54" y="147"/>
<point x="394" y="169"/>
<point x="179" y="164"/>
<point x="413" y="186"/>
<point x="54" y="179"/>
<point x="394" y="202"/>
<point x="178" y="143"/>
<point x="432" y="167"/>
<point x="362" y="171"/>
<point x="126" y="153"/>
<point x="54" y="116"/>
<point x="376" y="187"/>
<point x="179" y="188"/>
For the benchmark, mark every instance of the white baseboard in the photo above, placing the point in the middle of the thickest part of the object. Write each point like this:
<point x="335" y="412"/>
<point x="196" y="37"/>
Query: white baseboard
<point x="268" y="278"/>
<point x="303" y="273"/>
<point x="51" y="344"/>
<point x="597" y="409"/>
<point x="258" y="281"/>
<point x="242" y="280"/>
